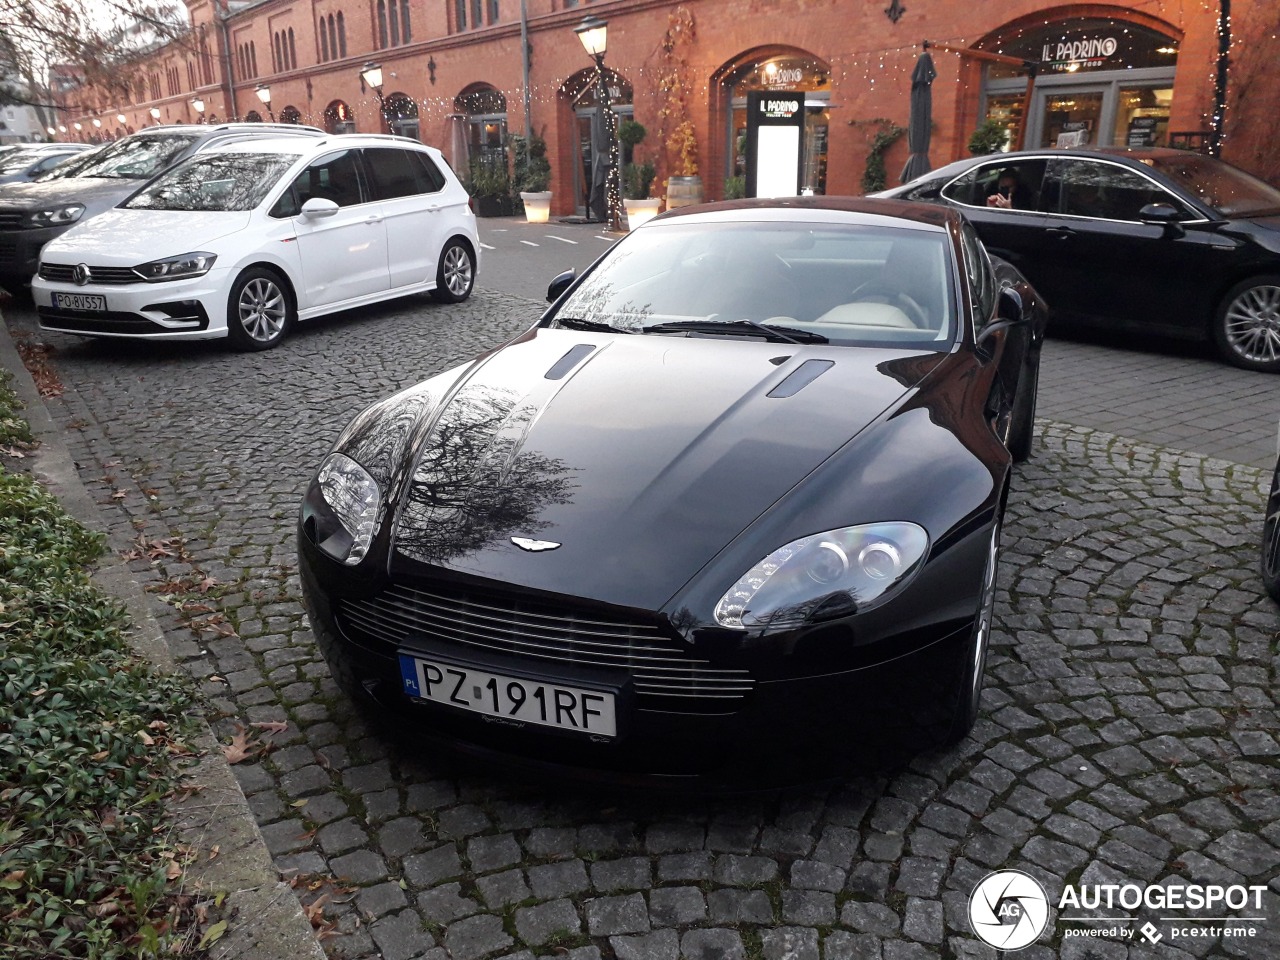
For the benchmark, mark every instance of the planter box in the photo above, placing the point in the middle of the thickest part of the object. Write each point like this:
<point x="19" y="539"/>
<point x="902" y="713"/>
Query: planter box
<point x="641" y="211"/>
<point x="537" y="206"/>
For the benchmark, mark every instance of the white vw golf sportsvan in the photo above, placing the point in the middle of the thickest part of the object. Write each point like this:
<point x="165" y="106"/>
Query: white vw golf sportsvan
<point x="245" y="240"/>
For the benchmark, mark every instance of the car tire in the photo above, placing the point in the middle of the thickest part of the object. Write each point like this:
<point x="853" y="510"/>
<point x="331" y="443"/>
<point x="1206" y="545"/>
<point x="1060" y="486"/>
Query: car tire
<point x="975" y="659"/>
<point x="259" y="310"/>
<point x="456" y="274"/>
<point x="1246" y="327"/>
<point x="1022" y="428"/>
<point x="1271" y="539"/>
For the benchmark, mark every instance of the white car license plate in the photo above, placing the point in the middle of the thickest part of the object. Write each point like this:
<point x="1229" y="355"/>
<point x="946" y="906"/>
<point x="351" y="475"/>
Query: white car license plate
<point x="80" y="301"/>
<point x="572" y="709"/>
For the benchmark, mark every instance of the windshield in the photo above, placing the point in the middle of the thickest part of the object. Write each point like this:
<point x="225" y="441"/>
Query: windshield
<point x="847" y="284"/>
<point x="1227" y="191"/>
<point x="216" y="181"/>
<point x="15" y="161"/>
<point x="139" y="157"/>
<point x="72" y="166"/>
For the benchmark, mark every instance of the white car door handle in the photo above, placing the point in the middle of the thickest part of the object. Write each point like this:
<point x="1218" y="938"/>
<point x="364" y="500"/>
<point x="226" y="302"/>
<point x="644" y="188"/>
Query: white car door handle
<point x="374" y="218"/>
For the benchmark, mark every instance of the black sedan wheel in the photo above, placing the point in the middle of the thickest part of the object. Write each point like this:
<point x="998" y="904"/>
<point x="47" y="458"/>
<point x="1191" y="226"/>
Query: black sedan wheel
<point x="1271" y="540"/>
<point x="1247" y="327"/>
<point x="456" y="274"/>
<point x="258" y="310"/>
<point x="975" y="665"/>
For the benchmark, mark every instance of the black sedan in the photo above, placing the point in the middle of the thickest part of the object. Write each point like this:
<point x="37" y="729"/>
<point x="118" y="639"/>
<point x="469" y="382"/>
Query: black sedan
<point x="1271" y="536"/>
<point x="731" y="509"/>
<point x="1158" y="240"/>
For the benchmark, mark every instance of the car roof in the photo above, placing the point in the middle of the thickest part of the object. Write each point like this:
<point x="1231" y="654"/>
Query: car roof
<point x="839" y="209"/>
<point x="50" y="147"/>
<point x="298" y="145"/>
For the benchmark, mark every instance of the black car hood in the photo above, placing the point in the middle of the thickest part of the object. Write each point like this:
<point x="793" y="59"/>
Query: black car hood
<point x="95" y="192"/>
<point x="638" y="457"/>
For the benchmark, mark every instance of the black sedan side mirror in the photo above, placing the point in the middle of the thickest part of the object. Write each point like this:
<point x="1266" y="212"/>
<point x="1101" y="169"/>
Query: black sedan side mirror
<point x="560" y="284"/>
<point x="1164" y="215"/>
<point x="1009" y="305"/>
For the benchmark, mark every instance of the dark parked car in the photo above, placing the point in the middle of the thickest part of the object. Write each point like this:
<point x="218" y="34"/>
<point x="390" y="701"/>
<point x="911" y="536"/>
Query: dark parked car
<point x="1158" y="240"/>
<point x="28" y="161"/>
<point x="1271" y="536"/>
<point x="731" y="509"/>
<point x="32" y="214"/>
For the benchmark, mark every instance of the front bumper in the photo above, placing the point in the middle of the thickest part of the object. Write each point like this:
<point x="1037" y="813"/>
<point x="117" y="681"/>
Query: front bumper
<point x="193" y="309"/>
<point x="20" y="250"/>
<point x="785" y="730"/>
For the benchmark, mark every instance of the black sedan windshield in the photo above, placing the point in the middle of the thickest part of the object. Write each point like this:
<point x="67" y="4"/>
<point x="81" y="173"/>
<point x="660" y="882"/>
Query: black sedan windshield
<point x="1228" y="191"/>
<point x="850" y="284"/>
<point x="223" y="181"/>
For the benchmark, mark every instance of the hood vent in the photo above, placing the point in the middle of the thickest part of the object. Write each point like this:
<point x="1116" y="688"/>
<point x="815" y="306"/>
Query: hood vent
<point x="560" y="369"/>
<point x="801" y="377"/>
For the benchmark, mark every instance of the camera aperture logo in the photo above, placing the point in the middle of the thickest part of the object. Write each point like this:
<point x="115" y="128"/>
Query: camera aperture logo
<point x="1008" y="910"/>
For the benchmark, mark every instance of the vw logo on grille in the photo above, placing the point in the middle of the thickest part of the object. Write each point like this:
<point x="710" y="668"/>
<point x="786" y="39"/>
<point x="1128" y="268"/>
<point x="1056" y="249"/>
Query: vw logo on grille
<point x="80" y="274"/>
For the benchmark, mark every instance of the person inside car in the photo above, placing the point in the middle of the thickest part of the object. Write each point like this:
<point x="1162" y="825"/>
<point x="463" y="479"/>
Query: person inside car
<point x="1009" y="193"/>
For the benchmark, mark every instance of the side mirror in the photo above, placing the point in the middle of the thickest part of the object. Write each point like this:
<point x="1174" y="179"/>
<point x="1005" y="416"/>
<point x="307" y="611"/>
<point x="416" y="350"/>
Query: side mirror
<point x="317" y="208"/>
<point x="1009" y="305"/>
<point x="1162" y="213"/>
<point x="560" y="284"/>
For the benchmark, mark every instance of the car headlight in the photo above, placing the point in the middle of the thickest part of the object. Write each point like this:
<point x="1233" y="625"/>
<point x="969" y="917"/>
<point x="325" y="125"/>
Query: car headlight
<point x="354" y="499"/>
<point x="833" y="573"/>
<point x="55" y="216"/>
<point x="176" y="268"/>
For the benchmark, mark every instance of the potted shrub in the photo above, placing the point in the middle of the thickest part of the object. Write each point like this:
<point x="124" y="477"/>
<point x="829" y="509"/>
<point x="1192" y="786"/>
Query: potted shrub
<point x="533" y="176"/>
<point x="684" y="186"/>
<point x="637" y="178"/>
<point x="489" y="183"/>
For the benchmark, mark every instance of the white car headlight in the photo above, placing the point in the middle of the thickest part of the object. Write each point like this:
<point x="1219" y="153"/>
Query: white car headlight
<point x="840" y="570"/>
<point x="355" y="499"/>
<point x="176" y="268"/>
<point x="55" y="216"/>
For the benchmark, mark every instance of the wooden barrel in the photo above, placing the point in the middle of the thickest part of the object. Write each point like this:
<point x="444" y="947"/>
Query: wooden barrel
<point x="683" y="191"/>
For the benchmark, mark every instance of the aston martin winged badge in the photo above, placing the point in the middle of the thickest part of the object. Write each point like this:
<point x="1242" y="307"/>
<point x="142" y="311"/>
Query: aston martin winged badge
<point x="534" y="546"/>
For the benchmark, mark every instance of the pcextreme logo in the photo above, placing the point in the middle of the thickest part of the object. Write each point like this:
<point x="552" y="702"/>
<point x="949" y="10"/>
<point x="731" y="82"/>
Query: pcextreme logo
<point x="1008" y="910"/>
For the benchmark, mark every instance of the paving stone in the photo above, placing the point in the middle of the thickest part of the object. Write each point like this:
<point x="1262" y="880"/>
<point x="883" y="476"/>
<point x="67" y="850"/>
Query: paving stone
<point x="659" y="945"/>
<point x="493" y="853"/>
<point x="539" y="924"/>
<point x="790" y="943"/>
<point x="740" y="871"/>
<point x="428" y="869"/>
<point x="503" y="889"/>
<point x="360" y="866"/>
<point x="740" y="906"/>
<point x="381" y="899"/>
<point x="631" y="873"/>
<point x="609" y="916"/>
<point x="677" y="906"/>
<point x="401" y="937"/>
<point x="475" y="937"/>
<point x="870" y="918"/>
<point x="712" y="944"/>
<point x="558" y="879"/>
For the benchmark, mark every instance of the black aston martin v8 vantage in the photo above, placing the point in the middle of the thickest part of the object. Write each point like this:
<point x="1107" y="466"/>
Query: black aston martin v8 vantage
<point x="730" y="510"/>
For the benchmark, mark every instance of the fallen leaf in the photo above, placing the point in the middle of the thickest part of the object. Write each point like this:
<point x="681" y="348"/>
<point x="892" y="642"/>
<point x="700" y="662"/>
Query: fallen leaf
<point x="213" y="934"/>
<point x="118" y="495"/>
<point x="214" y="851"/>
<point x="146" y="738"/>
<point x="174" y="871"/>
<point x="240" y="747"/>
<point x="299" y="803"/>
<point x="157" y="725"/>
<point x="271" y="726"/>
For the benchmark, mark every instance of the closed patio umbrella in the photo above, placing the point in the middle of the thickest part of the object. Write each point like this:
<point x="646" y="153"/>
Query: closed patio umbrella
<point x="920" y="126"/>
<point x="598" y="204"/>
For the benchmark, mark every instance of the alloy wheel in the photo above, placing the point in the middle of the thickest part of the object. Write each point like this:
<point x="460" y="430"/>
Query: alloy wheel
<point x="986" y="612"/>
<point x="263" y="309"/>
<point x="1252" y="323"/>
<point x="457" y="270"/>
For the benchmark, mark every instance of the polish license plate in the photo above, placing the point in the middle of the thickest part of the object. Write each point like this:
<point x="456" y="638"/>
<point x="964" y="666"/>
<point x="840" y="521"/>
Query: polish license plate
<point x="513" y="699"/>
<point x="89" y="302"/>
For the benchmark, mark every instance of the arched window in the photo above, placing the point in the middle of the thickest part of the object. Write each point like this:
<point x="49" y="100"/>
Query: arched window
<point x="405" y="33"/>
<point x="460" y="12"/>
<point x="253" y="59"/>
<point x="382" y="23"/>
<point x="342" y="36"/>
<point x="402" y="115"/>
<point x="277" y="61"/>
<point x="293" y="52"/>
<point x="493" y="11"/>
<point x="477" y="13"/>
<point x="393" y="16"/>
<point x="324" y="39"/>
<point x="290" y="114"/>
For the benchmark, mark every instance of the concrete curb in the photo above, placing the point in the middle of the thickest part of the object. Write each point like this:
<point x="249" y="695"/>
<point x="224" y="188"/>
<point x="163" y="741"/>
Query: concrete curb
<point x="266" y="921"/>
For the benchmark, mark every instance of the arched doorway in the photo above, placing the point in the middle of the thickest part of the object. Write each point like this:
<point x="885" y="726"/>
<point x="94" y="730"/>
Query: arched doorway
<point x="481" y="110"/>
<point x="290" y="114"/>
<point x="582" y="92"/>
<point x="253" y="116"/>
<point x="402" y="115"/>
<point x="781" y="69"/>
<point x="1101" y="81"/>
<point x="338" y="118"/>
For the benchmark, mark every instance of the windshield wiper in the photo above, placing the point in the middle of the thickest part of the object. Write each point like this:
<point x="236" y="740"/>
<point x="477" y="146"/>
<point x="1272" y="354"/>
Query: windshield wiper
<point x="770" y="331"/>
<point x="577" y="323"/>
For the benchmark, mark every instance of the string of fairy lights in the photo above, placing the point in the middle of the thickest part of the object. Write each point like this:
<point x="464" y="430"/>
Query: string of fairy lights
<point x="867" y="71"/>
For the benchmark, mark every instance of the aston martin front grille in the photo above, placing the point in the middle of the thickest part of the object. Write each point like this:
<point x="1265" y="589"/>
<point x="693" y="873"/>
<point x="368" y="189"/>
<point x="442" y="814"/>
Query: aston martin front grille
<point x="62" y="273"/>
<point x="10" y="220"/>
<point x="659" y="668"/>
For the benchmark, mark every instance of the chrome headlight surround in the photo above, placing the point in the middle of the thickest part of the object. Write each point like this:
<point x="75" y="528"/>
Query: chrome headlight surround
<point x="354" y="502"/>
<point x="181" y="267"/>
<point x="837" y="571"/>
<point x="58" y="216"/>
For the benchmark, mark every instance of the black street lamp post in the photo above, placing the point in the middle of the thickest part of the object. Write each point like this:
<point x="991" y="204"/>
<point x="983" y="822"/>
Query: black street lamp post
<point x="593" y="32"/>
<point x="264" y="94"/>
<point x="371" y="74"/>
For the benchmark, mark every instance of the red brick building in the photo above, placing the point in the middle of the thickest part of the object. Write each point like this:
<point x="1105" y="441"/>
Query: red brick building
<point x="1137" y="72"/>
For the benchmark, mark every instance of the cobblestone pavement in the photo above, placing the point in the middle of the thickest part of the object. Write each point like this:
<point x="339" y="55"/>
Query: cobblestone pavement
<point x="1128" y="732"/>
